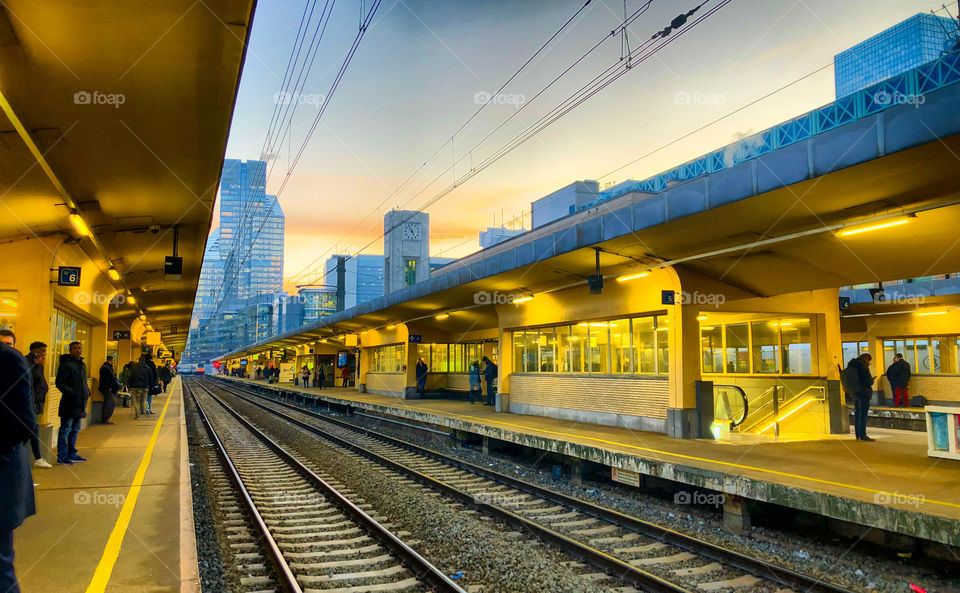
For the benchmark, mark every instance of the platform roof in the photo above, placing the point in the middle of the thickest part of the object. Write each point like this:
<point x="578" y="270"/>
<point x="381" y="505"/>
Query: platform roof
<point x="130" y="105"/>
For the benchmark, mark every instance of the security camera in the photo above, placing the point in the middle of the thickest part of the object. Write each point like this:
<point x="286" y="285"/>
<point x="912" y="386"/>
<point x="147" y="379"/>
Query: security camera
<point x="154" y="228"/>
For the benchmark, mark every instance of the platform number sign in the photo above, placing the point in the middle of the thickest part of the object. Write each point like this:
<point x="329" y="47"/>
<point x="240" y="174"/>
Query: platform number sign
<point x="668" y="297"/>
<point x="68" y="276"/>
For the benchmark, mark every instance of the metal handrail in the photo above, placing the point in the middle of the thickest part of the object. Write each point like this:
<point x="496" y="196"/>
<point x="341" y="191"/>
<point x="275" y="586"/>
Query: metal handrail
<point x="746" y="403"/>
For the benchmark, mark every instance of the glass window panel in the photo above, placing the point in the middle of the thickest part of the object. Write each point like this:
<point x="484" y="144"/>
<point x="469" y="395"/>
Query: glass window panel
<point x="531" y="351"/>
<point x="438" y="358"/>
<point x="644" y="344"/>
<point x="851" y="350"/>
<point x="766" y="347"/>
<point x="579" y="347"/>
<point x="598" y="347"/>
<point x="518" y="341"/>
<point x="663" y="345"/>
<point x="8" y="309"/>
<point x="621" y="354"/>
<point x="797" y="346"/>
<point x="564" y="348"/>
<point x="711" y="348"/>
<point x="737" y="348"/>
<point x="925" y="363"/>
<point x="548" y="347"/>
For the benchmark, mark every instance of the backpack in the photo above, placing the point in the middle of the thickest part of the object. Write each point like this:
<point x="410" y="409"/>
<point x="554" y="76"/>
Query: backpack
<point x="850" y="378"/>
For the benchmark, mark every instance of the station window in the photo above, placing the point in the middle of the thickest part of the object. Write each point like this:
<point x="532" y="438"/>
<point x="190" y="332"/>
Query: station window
<point x="8" y="309"/>
<point x="852" y="350"/>
<point x="731" y="344"/>
<point x="618" y="346"/>
<point x="450" y="358"/>
<point x="927" y="355"/>
<point x="66" y="329"/>
<point x="388" y="359"/>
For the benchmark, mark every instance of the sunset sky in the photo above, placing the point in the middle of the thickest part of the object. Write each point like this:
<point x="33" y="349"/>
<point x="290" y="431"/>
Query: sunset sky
<point x="414" y="79"/>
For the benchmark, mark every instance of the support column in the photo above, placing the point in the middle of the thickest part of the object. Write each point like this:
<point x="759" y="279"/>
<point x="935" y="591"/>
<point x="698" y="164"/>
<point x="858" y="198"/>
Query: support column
<point x="684" y="334"/>
<point x="486" y="445"/>
<point x="576" y="471"/>
<point x="736" y="517"/>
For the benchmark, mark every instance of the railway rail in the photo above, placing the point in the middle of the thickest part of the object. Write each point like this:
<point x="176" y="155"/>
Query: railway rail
<point x="650" y="556"/>
<point x="314" y="537"/>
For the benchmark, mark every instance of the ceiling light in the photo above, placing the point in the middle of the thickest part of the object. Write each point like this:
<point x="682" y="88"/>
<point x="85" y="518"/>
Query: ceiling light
<point x="874" y="227"/>
<point x="392" y="326"/>
<point x="131" y="300"/>
<point x="79" y="224"/>
<point x="522" y="299"/>
<point x="632" y="276"/>
<point x="113" y="273"/>
<point x="443" y="316"/>
<point x="701" y="318"/>
<point x="932" y="313"/>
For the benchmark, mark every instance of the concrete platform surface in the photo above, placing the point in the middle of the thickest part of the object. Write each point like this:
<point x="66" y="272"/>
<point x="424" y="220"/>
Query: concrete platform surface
<point x="123" y="520"/>
<point x="889" y="484"/>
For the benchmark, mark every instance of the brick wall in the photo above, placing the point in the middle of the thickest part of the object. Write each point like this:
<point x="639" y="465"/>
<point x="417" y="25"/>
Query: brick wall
<point x="641" y="396"/>
<point x="938" y="388"/>
<point x="386" y="383"/>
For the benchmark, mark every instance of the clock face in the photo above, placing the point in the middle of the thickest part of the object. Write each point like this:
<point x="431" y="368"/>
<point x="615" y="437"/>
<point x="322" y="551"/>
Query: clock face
<point x="411" y="231"/>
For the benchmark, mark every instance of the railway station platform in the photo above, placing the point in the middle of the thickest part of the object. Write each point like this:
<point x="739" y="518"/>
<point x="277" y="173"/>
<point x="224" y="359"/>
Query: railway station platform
<point x="890" y="485"/>
<point x="123" y="520"/>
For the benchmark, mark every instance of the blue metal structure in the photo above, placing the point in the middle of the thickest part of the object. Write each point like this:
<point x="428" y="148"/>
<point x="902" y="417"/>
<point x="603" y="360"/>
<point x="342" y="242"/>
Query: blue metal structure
<point x="907" y="87"/>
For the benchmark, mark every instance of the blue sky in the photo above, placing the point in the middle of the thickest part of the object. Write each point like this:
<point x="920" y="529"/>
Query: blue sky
<point x="418" y="71"/>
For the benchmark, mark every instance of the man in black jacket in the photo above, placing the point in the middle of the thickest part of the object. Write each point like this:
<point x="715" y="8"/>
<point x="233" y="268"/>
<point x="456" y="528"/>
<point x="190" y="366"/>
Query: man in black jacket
<point x="16" y="482"/>
<point x="74" y="393"/>
<point x="108" y="387"/>
<point x="898" y="374"/>
<point x="858" y="383"/>
<point x="165" y="376"/>
<point x="490" y="375"/>
<point x="36" y="359"/>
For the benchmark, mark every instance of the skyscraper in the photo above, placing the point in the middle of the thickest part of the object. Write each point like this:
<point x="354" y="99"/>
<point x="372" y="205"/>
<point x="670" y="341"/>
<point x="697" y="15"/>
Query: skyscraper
<point x="909" y="43"/>
<point x="362" y="278"/>
<point x="242" y="263"/>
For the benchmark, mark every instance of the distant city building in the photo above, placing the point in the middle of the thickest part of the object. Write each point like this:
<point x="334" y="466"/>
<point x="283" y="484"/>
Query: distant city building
<point x="242" y="273"/>
<point x="909" y="43"/>
<point x="316" y="302"/>
<point x="406" y="248"/>
<point x="494" y="235"/>
<point x="564" y="201"/>
<point x="360" y="279"/>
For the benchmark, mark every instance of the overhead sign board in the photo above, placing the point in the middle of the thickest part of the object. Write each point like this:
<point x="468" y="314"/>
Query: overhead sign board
<point x="121" y="334"/>
<point x="416" y="338"/>
<point x="68" y="276"/>
<point x="668" y="297"/>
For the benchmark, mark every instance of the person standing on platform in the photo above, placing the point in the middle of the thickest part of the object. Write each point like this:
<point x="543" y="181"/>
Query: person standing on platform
<point x="898" y="374"/>
<point x="154" y="388"/>
<point x="345" y="375"/>
<point x="421" y="376"/>
<point x="36" y="359"/>
<point x="8" y="337"/>
<point x="138" y="382"/>
<point x="108" y="387"/>
<point x="305" y="375"/>
<point x="320" y="377"/>
<point x="17" y="424"/>
<point x="858" y="383"/>
<point x="74" y="393"/>
<point x="476" y="384"/>
<point x="124" y="376"/>
<point x="490" y="374"/>
<point x="165" y="376"/>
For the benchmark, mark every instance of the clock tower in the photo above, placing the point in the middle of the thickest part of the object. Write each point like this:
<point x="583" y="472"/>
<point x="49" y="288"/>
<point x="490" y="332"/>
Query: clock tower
<point x="406" y="249"/>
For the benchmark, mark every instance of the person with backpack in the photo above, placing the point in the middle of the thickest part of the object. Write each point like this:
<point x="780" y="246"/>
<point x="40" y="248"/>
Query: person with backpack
<point x="476" y="384"/>
<point x="858" y="384"/>
<point x="124" y="373"/>
<point x="139" y="381"/>
<point x="490" y="375"/>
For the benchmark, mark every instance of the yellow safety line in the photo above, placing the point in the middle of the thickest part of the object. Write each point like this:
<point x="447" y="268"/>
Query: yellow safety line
<point x="112" y="550"/>
<point x="898" y="496"/>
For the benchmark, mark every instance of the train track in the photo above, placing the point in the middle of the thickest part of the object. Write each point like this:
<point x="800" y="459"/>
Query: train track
<point x="303" y="533"/>
<point x="651" y="556"/>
